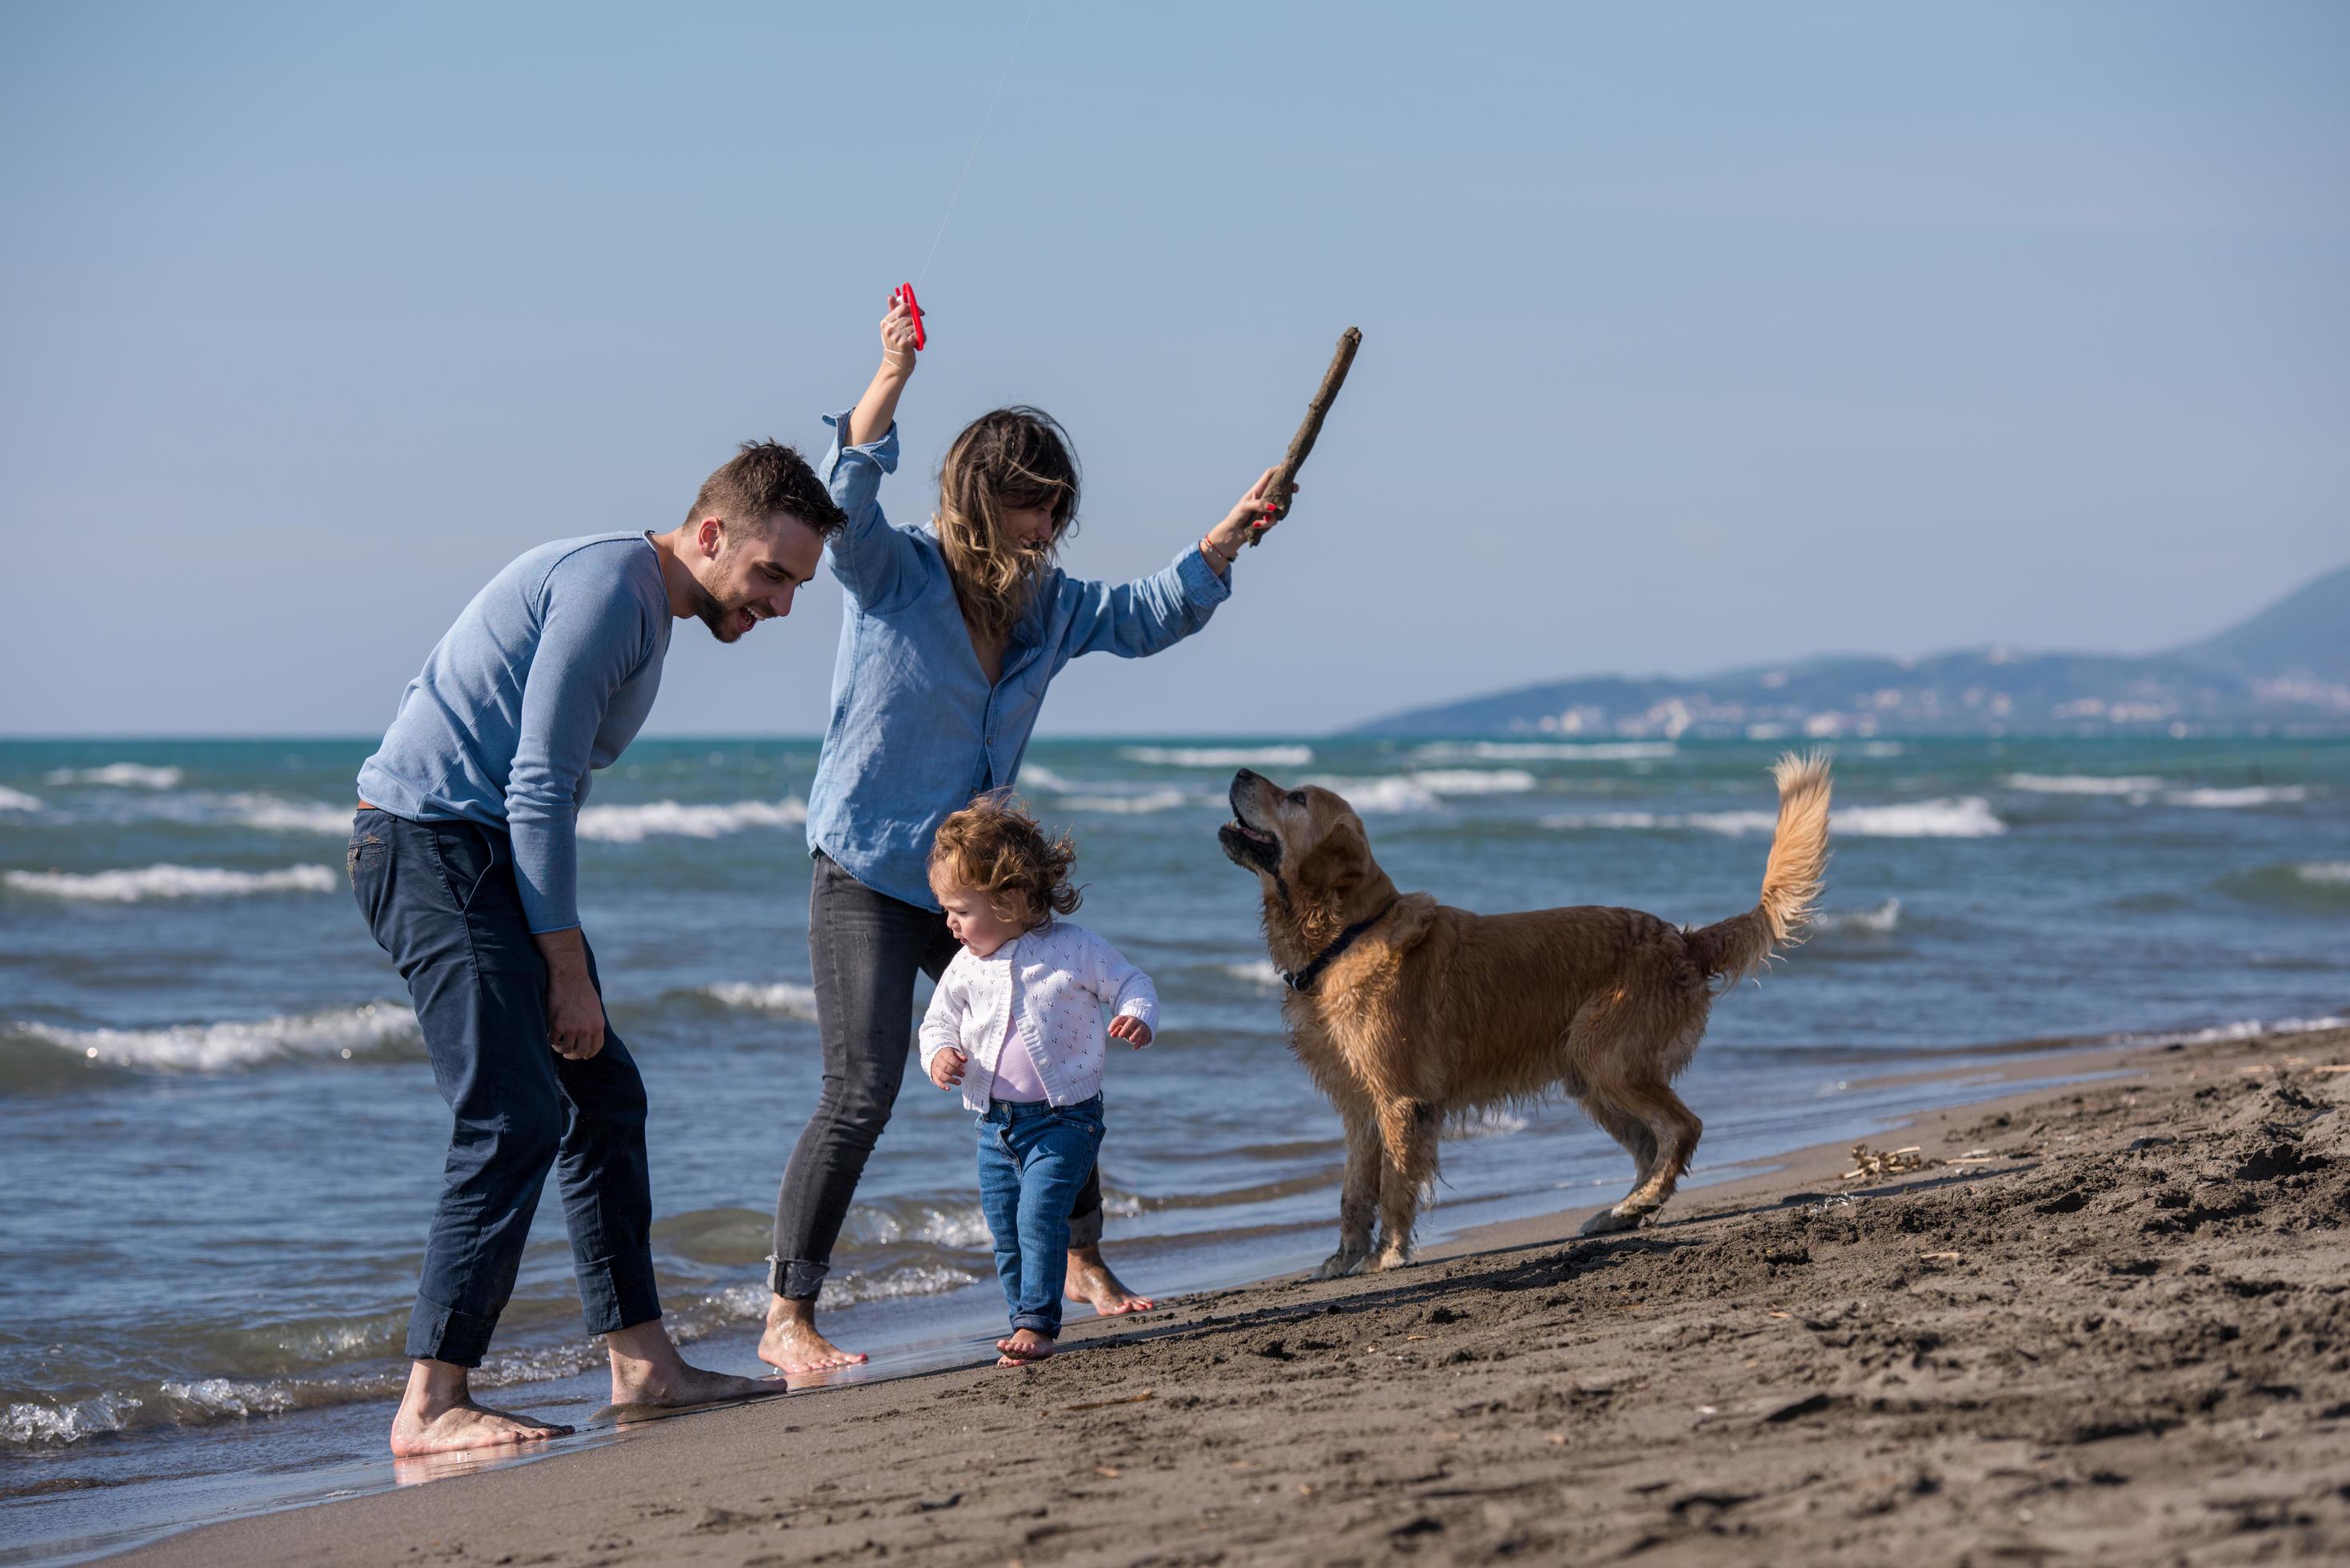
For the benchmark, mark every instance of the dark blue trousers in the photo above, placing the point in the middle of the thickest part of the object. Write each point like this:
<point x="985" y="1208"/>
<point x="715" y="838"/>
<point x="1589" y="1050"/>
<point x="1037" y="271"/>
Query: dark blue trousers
<point x="440" y="899"/>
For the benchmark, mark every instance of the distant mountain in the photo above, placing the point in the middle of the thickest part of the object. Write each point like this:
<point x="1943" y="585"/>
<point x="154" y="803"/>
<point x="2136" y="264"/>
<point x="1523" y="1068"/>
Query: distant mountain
<point x="2286" y="668"/>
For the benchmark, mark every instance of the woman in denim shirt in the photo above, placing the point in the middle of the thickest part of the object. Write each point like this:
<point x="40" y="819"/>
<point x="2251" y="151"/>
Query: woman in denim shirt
<point x="950" y="638"/>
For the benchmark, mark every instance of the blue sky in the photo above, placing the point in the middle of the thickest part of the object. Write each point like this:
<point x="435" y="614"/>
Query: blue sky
<point x="1694" y="335"/>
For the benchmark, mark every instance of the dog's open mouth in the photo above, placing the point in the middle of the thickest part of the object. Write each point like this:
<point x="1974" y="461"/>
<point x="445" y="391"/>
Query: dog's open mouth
<point x="1248" y="848"/>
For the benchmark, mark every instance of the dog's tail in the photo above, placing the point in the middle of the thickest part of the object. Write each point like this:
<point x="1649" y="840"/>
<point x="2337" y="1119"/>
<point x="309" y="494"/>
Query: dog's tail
<point x="1791" y="877"/>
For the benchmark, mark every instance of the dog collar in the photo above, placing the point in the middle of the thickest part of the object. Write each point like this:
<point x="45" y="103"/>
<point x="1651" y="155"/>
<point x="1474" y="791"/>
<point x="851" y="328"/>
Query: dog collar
<point x="1302" y="980"/>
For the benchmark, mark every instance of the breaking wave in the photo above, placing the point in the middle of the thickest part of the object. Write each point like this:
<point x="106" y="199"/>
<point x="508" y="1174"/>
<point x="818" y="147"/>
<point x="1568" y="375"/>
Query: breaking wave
<point x="1968" y="817"/>
<point x="1385" y="794"/>
<point x="171" y="882"/>
<point x="1545" y="751"/>
<point x="791" y="1001"/>
<point x="273" y="814"/>
<point x="1139" y="805"/>
<point x="672" y="819"/>
<point x="17" y="800"/>
<point x="121" y="775"/>
<point x="1261" y="974"/>
<point x="337" y="1033"/>
<point x="1883" y="919"/>
<point x="1474" y="781"/>
<point x="2084" y="783"/>
<point x="1036" y="775"/>
<point x="1220" y="756"/>
<point x="2336" y="872"/>
<point x="2243" y="1029"/>
<point x="2238" y="799"/>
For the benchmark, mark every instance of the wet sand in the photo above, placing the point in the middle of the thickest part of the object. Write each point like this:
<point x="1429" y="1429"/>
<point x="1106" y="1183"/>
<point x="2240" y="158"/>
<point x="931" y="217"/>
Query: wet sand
<point x="2113" y="1325"/>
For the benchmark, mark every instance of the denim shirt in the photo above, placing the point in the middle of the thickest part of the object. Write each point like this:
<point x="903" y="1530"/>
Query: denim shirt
<point x="916" y="730"/>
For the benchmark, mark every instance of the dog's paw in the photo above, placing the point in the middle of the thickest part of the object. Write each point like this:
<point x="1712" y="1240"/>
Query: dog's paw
<point x="1340" y="1264"/>
<point x="1608" y="1221"/>
<point x="1391" y="1258"/>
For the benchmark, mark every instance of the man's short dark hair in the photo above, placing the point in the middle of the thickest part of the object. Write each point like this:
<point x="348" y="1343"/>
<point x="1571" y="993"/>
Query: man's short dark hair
<point x="763" y="478"/>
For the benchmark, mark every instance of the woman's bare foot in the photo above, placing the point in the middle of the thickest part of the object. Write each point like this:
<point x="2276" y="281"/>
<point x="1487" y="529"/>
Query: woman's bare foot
<point x="647" y="1370"/>
<point x="1025" y="1345"/>
<point x="792" y="1343"/>
<point x="438" y="1415"/>
<point x="1091" y="1282"/>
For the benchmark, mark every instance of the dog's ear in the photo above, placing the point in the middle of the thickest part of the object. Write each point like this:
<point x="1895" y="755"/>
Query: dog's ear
<point x="1337" y="865"/>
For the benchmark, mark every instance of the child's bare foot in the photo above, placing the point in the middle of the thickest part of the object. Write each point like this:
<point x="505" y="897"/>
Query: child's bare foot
<point x="791" y="1343"/>
<point x="438" y="1415"/>
<point x="1091" y="1282"/>
<point x="1023" y="1347"/>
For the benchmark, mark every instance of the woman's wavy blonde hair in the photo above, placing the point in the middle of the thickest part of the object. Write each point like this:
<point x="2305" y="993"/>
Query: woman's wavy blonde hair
<point x="1016" y="457"/>
<point x="994" y="847"/>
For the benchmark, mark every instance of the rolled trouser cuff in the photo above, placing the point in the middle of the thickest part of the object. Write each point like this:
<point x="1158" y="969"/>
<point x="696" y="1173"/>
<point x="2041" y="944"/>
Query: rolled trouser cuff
<point x="795" y="1278"/>
<point x="1049" y="1325"/>
<point x="438" y="1333"/>
<point x="614" y="1299"/>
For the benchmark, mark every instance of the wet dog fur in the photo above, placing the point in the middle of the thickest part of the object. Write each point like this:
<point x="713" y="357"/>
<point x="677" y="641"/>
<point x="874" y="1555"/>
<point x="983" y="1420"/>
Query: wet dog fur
<point x="1431" y="1012"/>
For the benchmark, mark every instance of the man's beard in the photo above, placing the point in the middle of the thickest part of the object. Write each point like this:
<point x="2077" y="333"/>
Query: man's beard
<point x="721" y="620"/>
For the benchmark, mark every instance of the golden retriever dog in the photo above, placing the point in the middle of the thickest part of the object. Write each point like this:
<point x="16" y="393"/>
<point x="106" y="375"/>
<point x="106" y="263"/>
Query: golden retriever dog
<point x="1408" y="1012"/>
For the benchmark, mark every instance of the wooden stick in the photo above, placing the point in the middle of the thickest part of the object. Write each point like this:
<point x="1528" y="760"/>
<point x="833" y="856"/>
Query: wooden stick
<point x="1284" y="478"/>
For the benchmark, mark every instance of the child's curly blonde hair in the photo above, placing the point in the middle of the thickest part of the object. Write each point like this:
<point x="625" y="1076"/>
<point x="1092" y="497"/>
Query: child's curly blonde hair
<point x="994" y="847"/>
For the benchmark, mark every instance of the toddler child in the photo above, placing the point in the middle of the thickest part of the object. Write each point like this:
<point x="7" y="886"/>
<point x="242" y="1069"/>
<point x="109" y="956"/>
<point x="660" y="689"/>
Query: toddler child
<point x="1016" y="1022"/>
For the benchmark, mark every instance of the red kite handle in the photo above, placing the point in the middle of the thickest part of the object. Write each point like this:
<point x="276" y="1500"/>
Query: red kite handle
<point x="906" y="293"/>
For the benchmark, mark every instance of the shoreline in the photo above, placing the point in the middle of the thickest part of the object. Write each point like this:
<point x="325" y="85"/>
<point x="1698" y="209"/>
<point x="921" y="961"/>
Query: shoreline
<point x="803" y="1474"/>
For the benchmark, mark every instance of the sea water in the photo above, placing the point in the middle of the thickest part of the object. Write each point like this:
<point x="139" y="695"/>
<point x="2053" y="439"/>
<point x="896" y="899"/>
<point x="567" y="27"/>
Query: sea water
<point x="222" y="1143"/>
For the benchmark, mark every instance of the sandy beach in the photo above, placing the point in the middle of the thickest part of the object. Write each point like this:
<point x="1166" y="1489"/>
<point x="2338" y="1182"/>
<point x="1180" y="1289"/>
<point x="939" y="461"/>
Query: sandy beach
<point x="2107" y="1323"/>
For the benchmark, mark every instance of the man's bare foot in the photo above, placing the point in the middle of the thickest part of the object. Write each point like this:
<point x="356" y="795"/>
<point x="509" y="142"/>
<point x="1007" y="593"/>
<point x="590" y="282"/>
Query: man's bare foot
<point x="792" y="1343"/>
<point x="1025" y="1345"/>
<point x="647" y="1370"/>
<point x="438" y="1415"/>
<point x="1091" y="1282"/>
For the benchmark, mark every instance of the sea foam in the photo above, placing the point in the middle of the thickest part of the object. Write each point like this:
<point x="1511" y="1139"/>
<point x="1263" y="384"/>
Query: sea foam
<point x="671" y="819"/>
<point x="1545" y="751"/>
<point x="121" y="775"/>
<point x="791" y="1001"/>
<point x="2084" y="783"/>
<point x="339" y="1033"/>
<point x="1036" y="775"/>
<point x="17" y="800"/>
<point x="1386" y="793"/>
<point x="1220" y="756"/>
<point x="1141" y="803"/>
<point x="2324" y="871"/>
<point x="151" y="882"/>
<point x="2243" y="1029"/>
<point x="1879" y="920"/>
<point x="273" y="814"/>
<point x="2238" y="799"/>
<point x="1968" y="817"/>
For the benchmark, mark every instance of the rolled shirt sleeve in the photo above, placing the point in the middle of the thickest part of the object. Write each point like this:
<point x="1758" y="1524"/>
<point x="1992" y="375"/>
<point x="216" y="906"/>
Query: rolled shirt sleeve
<point x="1147" y="616"/>
<point x="869" y="557"/>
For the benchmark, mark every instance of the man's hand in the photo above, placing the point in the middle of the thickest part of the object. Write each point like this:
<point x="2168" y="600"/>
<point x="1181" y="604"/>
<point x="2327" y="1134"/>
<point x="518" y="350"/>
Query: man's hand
<point x="574" y="1012"/>
<point x="946" y="1067"/>
<point x="1126" y="1026"/>
<point x="1252" y="516"/>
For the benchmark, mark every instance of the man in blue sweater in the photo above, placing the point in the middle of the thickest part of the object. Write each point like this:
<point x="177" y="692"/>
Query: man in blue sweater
<point x="463" y="858"/>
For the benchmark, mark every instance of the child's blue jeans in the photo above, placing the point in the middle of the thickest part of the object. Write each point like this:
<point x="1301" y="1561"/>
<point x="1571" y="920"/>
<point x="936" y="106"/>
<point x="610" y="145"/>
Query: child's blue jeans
<point x="1033" y="1157"/>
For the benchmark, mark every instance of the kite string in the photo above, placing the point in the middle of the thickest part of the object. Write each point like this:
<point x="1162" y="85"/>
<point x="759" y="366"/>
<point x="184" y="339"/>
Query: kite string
<point x="977" y="140"/>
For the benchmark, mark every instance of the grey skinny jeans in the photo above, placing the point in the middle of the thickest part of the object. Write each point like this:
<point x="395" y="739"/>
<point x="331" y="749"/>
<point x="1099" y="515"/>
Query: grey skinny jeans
<point x="864" y="950"/>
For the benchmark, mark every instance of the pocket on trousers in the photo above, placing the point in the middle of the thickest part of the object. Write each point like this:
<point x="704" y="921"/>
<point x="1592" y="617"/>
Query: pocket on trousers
<point x="365" y="852"/>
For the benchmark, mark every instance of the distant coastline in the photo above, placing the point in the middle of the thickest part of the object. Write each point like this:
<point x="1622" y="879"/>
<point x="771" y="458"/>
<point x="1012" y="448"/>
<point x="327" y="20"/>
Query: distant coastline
<point x="2283" y="671"/>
